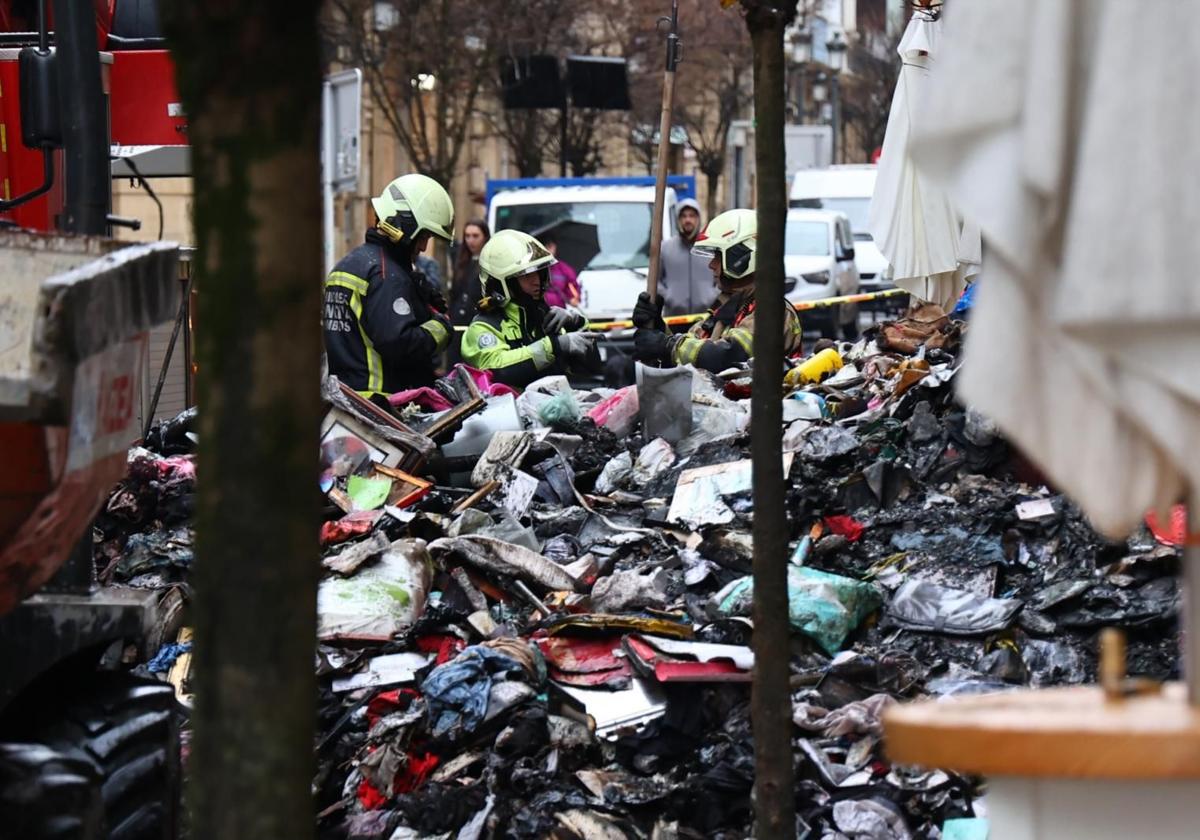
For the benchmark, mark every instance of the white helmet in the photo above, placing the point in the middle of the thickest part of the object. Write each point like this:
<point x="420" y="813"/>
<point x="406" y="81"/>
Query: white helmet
<point x="413" y="204"/>
<point x="508" y="255"/>
<point x="732" y="236"/>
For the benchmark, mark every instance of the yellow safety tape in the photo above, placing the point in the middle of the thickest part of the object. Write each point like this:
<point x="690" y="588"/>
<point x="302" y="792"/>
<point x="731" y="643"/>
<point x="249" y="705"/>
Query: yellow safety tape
<point x="684" y="320"/>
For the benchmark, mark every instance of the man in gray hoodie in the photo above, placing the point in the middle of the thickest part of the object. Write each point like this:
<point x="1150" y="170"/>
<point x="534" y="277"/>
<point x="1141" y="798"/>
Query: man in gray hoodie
<point x="685" y="282"/>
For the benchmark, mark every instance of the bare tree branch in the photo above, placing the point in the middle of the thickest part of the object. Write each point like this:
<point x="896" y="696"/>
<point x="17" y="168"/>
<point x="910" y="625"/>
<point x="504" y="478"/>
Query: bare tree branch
<point x="867" y="94"/>
<point x="425" y="69"/>
<point x="713" y="85"/>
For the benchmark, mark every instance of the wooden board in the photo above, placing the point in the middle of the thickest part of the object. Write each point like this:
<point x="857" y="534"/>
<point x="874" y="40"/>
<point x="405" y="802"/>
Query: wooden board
<point x="1064" y="732"/>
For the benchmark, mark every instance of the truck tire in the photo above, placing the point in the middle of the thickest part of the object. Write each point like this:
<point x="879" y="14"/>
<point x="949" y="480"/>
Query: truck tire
<point x="126" y="730"/>
<point x="48" y="795"/>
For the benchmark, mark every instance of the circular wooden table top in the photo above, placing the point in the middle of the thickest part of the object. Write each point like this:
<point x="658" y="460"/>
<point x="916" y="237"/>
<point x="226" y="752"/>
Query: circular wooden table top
<point x="1057" y="732"/>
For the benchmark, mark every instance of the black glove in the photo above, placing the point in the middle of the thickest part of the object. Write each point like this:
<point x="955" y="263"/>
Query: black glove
<point x="647" y="314"/>
<point x="574" y="346"/>
<point x="559" y="320"/>
<point x="651" y="346"/>
<point x="429" y="293"/>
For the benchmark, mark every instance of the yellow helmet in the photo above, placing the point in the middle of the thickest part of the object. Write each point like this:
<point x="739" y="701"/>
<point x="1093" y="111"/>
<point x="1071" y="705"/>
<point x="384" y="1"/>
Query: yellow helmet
<point x="732" y="236"/>
<point x="510" y="254"/>
<point x="413" y="204"/>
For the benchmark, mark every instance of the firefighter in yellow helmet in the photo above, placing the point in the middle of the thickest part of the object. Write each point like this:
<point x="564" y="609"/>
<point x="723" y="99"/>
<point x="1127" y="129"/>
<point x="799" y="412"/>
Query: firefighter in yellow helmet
<point x="385" y="322"/>
<point x="516" y="335"/>
<point x="726" y="337"/>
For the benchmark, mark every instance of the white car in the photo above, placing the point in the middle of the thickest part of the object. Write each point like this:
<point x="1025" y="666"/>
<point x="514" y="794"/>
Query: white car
<point x="610" y="283"/>
<point x="846" y="188"/>
<point x="819" y="262"/>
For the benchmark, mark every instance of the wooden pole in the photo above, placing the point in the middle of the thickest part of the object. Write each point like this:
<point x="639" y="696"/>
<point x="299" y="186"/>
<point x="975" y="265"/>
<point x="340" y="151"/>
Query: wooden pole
<point x="249" y="77"/>
<point x="664" y="151"/>
<point x="770" y="699"/>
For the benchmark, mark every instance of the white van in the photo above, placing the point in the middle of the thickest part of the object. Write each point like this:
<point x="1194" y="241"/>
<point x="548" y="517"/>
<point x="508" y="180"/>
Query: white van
<point x="819" y="262"/>
<point x="610" y="283"/>
<point x="846" y="188"/>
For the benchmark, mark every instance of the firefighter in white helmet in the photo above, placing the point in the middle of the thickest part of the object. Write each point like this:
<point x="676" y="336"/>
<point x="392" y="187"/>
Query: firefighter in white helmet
<point x="516" y="335"/>
<point x="385" y="322"/>
<point x="726" y="337"/>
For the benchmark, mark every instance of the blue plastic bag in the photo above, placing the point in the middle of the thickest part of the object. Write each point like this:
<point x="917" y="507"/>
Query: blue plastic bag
<point x="966" y="302"/>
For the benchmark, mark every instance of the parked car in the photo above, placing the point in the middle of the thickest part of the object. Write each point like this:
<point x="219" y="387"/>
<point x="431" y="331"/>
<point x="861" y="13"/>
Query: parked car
<point x="819" y="262"/>
<point x="847" y="189"/>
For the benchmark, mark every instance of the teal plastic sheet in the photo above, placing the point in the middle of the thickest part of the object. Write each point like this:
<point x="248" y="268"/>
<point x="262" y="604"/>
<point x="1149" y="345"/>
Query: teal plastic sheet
<point x="560" y="409"/>
<point x="965" y="829"/>
<point x="823" y="606"/>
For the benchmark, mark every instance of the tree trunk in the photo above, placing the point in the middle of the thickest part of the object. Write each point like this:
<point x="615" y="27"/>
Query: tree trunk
<point x="713" y="180"/>
<point x="249" y="79"/>
<point x="770" y="699"/>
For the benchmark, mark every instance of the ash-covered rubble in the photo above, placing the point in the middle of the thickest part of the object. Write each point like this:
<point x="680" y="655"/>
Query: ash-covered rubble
<point x="542" y="630"/>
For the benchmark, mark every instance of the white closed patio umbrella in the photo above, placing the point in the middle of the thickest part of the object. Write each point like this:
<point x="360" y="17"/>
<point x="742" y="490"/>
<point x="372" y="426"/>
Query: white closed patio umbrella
<point x="912" y="219"/>
<point x="1070" y="131"/>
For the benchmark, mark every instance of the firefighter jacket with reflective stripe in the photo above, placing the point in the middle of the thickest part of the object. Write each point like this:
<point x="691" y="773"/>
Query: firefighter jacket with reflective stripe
<point x="380" y="333"/>
<point x="736" y="343"/>
<point x="511" y="344"/>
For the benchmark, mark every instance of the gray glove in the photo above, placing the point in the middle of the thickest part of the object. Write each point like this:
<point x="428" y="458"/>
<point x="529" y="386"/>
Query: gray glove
<point x="575" y="346"/>
<point x="558" y="319"/>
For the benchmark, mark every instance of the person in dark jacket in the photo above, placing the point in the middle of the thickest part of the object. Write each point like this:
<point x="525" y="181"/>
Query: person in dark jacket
<point x="465" y="289"/>
<point x="385" y="322"/>
<point x="516" y="335"/>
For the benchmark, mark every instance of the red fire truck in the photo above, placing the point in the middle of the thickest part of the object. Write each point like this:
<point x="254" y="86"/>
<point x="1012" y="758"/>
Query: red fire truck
<point x="85" y="89"/>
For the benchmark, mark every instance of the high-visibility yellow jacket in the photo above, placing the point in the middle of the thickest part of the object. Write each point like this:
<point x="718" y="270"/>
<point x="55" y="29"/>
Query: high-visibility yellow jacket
<point x="509" y="342"/>
<point x="736" y="343"/>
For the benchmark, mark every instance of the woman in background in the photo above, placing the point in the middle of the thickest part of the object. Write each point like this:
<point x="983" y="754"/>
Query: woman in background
<point x="465" y="289"/>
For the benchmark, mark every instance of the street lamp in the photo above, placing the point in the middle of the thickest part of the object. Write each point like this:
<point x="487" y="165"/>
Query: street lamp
<point x="820" y="92"/>
<point x="801" y="41"/>
<point x="837" y="47"/>
<point x="801" y="45"/>
<point x="387" y="16"/>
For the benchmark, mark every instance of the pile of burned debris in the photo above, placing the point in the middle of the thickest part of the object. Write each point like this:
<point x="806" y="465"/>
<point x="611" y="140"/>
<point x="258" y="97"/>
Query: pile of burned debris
<point x="534" y="619"/>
